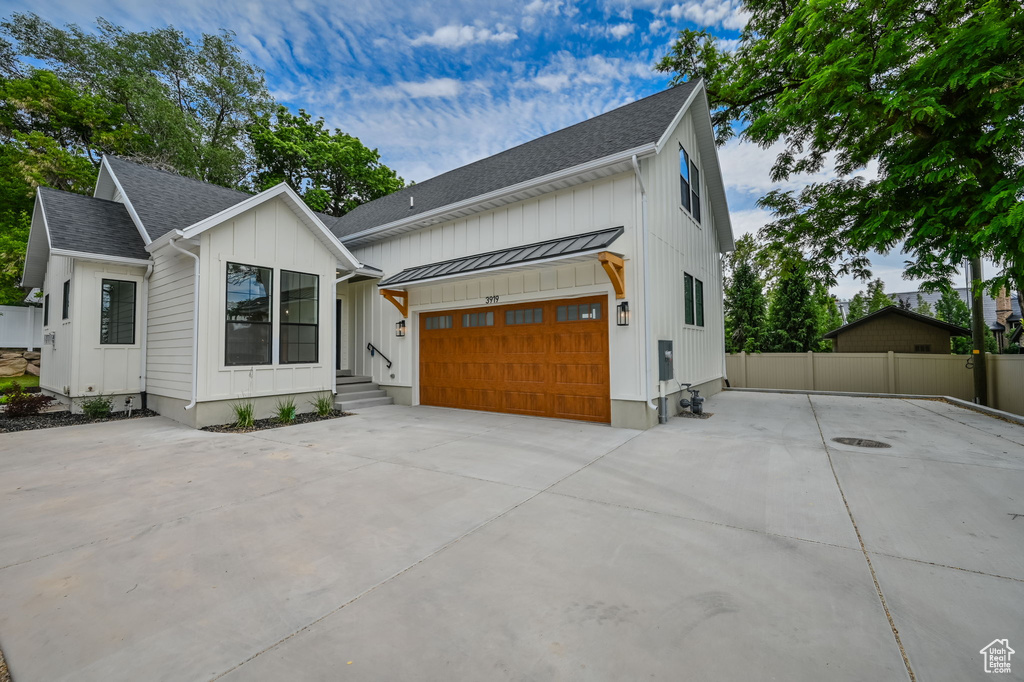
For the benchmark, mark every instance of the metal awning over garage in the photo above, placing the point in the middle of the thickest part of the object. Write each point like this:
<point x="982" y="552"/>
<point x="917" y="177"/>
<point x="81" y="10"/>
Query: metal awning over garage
<point x="568" y="248"/>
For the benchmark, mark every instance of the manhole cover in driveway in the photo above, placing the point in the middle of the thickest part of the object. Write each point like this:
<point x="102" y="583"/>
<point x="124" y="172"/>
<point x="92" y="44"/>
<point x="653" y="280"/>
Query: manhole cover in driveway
<point x="861" y="442"/>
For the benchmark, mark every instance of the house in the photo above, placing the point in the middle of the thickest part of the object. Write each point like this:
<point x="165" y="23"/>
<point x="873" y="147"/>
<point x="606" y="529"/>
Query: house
<point x="538" y="281"/>
<point x="994" y="307"/>
<point x="894" y="329"/>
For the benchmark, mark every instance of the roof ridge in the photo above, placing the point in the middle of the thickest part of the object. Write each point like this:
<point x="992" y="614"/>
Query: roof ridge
<point x="78" y="194"/>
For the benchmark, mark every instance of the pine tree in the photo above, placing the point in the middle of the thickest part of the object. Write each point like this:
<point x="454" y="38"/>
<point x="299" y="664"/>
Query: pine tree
<point x="952" y="309"/>
<point x="792" y="314"/>
<point x="858" y="307"/>
<point x="829" y="317"/>
<point x="923" y="307"/>
<point x="744" y="309"/>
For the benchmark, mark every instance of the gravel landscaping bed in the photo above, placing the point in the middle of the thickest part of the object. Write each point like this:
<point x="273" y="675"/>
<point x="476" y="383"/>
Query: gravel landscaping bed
<point x="273" y="423"/>
<point x="49" y="420"/>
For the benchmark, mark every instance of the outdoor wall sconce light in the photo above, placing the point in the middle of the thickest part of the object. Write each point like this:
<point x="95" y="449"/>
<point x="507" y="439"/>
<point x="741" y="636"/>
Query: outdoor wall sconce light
<point x="400" y="328"/>
<point x="622" y="314"/>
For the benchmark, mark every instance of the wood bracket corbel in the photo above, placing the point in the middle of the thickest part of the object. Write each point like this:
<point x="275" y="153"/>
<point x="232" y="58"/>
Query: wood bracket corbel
<point x="393" y="295"/>
<point x="616" y="269"/>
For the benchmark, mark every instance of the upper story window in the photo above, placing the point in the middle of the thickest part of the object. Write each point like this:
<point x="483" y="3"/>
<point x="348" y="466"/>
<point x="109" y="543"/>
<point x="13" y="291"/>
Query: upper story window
<point x="684" y="178"/>
<point x="117" y="312"/>
<point x="300" y="317"/>
<point x="46" y="310"/>
<point x="695" y="191"/>
<point x="65" y="304"/>
<point x="248" y="325"/>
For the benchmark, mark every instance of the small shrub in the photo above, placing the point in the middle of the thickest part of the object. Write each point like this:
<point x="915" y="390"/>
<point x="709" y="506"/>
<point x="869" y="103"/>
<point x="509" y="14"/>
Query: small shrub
<point x="98" y="406"/>
<point x="323" y="403"/>
<point x="286" y="410"/>
<point x="12" y="388"/>
<point x="245" y="414"/>
<point x="22" y="404"/>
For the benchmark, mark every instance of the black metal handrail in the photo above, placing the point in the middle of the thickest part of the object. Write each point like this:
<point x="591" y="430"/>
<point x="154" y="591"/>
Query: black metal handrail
<point x="376" y="351"/>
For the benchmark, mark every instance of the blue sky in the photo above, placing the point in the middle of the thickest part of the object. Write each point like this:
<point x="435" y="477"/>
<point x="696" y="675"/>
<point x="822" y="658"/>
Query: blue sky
<point x="435" y="85"/>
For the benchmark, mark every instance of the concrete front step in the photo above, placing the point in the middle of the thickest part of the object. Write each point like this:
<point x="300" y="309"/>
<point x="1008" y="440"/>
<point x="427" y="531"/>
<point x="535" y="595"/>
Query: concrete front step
<point x="352" y="380"/>
<point x="357" y="388"/>
<point x="342" y="372"/>
<point x="360" y="395"/>
<point x="349" y="405"/>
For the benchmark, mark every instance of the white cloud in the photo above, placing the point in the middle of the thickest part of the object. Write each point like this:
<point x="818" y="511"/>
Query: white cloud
<point x="725" y="13"/>
<point x="748" y="221"/>
<point x="553" y="81"/>
<point x="435" y="87"/>
<point x="455" y="36"/>
<point x="656" y="26"/>
<point x="620" y="31"/>
<point x="746" y="168"/>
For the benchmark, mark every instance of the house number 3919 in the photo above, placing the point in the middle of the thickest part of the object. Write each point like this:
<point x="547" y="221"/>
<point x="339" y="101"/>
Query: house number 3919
<point x="492" y="299"/>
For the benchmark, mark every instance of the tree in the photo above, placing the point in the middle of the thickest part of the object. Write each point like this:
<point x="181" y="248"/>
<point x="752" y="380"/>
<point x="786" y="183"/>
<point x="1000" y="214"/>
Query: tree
<point x="952" y="309"/>
<point x="333" y="172"/>
<point x="792" y="316"/>
<point x="829" y="317"/>
<point x="744" y="309"/>
<point x="933" y="93"/>
<point x="190" y="101"/>
<point x="877" y="298"/>
<point x="858" y="307"/>
<point x="923" y="307"/>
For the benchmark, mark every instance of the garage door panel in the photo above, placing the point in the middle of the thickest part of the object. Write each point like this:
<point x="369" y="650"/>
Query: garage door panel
<point x="517" y="364"/>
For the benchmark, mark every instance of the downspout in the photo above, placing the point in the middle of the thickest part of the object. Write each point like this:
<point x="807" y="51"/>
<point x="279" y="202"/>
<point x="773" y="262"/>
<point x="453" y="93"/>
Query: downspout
<point x="647" y="288"/>
<point x="173" y="243"/>
<point x="145" y="333"/>
<point x="334" y="386"/>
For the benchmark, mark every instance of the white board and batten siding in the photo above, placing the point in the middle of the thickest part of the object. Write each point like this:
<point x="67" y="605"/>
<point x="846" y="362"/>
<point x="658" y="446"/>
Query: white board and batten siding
<point x="271" y="236"/>
<point x="678" y="245"/>
<point x="169" y="344"/>
<point x="108" y="369"/>
<point x="609" y="202"/>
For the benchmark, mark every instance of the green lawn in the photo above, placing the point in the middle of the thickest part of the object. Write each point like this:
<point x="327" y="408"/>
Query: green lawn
<point x="26" y="381"/>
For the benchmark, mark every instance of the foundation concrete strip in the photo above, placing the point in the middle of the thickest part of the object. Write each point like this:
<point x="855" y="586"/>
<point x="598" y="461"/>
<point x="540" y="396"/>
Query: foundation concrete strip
<point x="966" y="404"/>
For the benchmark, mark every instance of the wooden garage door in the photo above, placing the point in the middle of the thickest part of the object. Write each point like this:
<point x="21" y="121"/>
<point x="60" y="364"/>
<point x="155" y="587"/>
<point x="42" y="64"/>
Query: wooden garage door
<point x="547" y="358"/>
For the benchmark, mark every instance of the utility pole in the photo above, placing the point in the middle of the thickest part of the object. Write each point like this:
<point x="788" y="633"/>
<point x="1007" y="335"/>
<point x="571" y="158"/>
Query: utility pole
<point x="978" y="334"/>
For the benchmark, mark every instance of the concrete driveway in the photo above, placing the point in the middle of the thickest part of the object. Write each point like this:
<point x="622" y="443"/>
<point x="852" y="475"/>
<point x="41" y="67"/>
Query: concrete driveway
<point x="432" y="544"/>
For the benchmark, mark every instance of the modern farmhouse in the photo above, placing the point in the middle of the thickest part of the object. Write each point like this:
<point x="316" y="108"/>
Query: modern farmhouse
<point x="575" y="276"/>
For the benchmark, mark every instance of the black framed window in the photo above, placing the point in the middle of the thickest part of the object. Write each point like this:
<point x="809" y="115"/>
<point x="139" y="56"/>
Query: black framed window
<point x="698" y="301"/>
<point x="117" y="312"/>
<point x="695" y="191"/>
<point x="684" y="178"/>
<point x="46" y="310"/>
<point x="688" y="298"/>
<point x="65" y="304"/>
<point x="524" y="316"/>
<point x="248" y="324"/>
<point x="300" y="317"/>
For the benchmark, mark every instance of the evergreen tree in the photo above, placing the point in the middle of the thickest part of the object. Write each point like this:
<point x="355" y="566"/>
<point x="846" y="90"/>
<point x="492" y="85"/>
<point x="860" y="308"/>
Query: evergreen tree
<point x="952" y="309"/>
<point x="923" y="307"/>
<point x="792" y="314"/>
<point x="858" y="307"/>
<point x="877" y="298"/>
<point x="829" y="317"/>
<point x="744" y="309"/>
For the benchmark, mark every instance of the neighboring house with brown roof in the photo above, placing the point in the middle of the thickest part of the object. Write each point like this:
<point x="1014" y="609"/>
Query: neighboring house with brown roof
<point x="895" y="329"/>
<point x="537" y="281"/>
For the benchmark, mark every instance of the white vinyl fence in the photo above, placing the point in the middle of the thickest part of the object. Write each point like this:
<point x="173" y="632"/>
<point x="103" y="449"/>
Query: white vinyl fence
<point x="21" y="327"/>
<point x="903" y="373"/>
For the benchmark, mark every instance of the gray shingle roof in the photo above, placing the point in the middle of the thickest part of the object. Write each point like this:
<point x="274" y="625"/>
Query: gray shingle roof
<point x="165" y="201"/>
<point x="516" y="255"/>
<point x="80" y="223"/>
<point x="633" y="125"/>
<point x="896" y="310"/>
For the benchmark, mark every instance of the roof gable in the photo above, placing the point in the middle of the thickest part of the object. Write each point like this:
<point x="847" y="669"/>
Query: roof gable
<point x="621" y="130"/>
<point x="909" y="314"/>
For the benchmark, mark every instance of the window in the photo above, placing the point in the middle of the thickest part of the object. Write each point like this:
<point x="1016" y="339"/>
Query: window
<point x="579" y="311"/>
<point x="117" y="312"/>
<point x="65" y="305"/>
<point x="698" y="300"/>
<point x="248" y="330"/>
<point x="524" y="316"/>
<point x="923" y="348"/>
<point x="478" y="319"/>
<point x="300" y="317"/>
<point x="439" y="322"/>
<point x="688" y="298"/>
<point x="695" y="191"/>
<point x="46" y="310"/>
<point x="684" y="178"/>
